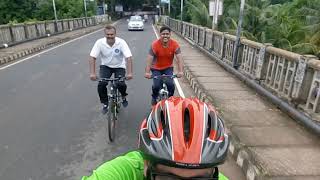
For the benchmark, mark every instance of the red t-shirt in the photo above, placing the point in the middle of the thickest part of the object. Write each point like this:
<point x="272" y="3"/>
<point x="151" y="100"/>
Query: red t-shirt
<point x="163" y="57"/>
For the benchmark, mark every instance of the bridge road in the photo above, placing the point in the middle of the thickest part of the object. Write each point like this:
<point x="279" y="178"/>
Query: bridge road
<point x="50" y="122"/>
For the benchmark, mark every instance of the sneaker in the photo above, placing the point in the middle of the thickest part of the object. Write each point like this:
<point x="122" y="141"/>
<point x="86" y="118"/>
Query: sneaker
<point x="153" y="101"/>
<point x="104" y="109"/>
<point x="124" y="102"/>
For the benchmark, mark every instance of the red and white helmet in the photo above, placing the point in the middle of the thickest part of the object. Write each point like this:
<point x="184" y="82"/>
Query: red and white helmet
<point x="184" y="133"/>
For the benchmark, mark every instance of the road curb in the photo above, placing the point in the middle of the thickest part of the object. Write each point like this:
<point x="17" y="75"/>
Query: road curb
<point x="20" y="54"/>
<point x="26" y="52"/>
<point x="240" y="153"/>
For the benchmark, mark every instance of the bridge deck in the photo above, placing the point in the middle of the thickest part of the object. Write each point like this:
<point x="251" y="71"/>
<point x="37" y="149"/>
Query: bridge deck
<point x="267" y="143"/>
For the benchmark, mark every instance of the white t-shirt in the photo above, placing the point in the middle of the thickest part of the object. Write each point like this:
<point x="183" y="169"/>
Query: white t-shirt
<point x="113" y="57"/>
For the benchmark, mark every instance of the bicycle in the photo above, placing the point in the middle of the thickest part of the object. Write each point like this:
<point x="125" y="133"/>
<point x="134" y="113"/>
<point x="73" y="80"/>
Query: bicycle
<point x="114" y="104"/>
<point x="163" y="92"/>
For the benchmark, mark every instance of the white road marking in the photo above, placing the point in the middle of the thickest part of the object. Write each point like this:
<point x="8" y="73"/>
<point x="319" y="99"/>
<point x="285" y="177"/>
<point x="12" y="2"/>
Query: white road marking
<point x="17" y="62"/>
<point x="175" y="79"/>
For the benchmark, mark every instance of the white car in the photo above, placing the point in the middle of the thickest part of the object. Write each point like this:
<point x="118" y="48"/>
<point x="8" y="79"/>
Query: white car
<point x="135" y="23"/>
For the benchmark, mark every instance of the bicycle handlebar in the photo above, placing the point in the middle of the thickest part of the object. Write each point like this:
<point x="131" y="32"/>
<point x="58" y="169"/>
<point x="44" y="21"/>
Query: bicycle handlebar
<point x="164" y="76"/>
<point x="112" y="79"/>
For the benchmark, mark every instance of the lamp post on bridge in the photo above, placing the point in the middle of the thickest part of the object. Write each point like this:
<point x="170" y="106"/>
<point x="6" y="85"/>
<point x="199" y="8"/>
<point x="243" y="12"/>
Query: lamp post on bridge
<point x="85" y="7"/>
<point x="159" y="8"/>
<point x="169" y="4"/>
<point x="181" y="9"/>
<point x="54" y="10"/>
<point x="237" y="42"/>
<point x="55" y="18"/>
<point x="85" y="10"/>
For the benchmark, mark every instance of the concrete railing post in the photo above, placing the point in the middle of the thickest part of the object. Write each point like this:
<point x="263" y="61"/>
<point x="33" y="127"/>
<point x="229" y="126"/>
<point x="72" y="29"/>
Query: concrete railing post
<point x="261" y="62"/>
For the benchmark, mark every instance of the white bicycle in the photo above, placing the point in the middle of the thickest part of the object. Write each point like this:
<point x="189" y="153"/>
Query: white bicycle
<point x="163" y="92"/>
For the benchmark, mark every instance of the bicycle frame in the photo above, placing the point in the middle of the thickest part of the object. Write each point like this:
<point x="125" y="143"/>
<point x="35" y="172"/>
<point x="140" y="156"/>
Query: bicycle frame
<point x="163" y="92"/>
<point x="114" y="105"/>
<point x="114" y="94"/>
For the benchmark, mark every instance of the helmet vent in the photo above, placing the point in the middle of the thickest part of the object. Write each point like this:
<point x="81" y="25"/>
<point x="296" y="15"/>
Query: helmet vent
<point x="163" y="122"/>
<point x="154" y="128"/>
<point x="186" y="125"/>
<point x="208" y="126"/>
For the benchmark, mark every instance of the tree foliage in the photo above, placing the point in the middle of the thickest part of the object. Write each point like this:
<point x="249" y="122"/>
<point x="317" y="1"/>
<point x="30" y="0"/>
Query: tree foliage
<point x="27" y="10"/>
<point x="198" y="12"/>
<point x="18" y="10"/>
<point x="288" y="24"/>
<point x="292" y="24"/>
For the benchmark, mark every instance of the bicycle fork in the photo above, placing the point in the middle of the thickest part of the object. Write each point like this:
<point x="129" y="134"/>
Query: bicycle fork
<point x="114" y="99"/>
<point x="164" y="93"/>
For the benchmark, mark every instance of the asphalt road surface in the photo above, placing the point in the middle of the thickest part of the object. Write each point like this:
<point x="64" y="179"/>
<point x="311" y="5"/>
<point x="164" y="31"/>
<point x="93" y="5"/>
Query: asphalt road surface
<point x="51" y="127"/>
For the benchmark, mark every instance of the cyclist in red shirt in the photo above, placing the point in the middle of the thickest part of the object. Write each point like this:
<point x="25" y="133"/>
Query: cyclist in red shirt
<point x="160" y="61"/>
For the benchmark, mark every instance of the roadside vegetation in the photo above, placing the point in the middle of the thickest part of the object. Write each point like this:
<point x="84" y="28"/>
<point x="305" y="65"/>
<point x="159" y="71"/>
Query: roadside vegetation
<point x="293" y="25"/>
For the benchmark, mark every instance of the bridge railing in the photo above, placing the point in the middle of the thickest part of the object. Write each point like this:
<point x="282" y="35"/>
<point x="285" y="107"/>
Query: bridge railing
<point x="17" y="33"/>
<point x="292" y="77"/>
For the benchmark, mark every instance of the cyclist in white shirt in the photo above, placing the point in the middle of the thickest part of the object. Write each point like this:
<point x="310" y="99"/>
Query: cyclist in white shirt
<point x="116" y="58"/>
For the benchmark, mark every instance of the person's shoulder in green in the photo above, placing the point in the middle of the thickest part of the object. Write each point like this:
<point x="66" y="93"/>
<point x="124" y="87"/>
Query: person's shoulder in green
<point x="126" y="167"/>
<point x="222" y="177"/>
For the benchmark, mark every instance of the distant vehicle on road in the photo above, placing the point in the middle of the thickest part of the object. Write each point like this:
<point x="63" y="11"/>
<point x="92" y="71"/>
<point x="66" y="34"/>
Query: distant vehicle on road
<point x="135" y="23"/>
<point x="145" y="17"/>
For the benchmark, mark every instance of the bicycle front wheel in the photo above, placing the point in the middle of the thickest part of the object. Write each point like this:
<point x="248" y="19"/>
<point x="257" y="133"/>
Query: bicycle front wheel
<point x="118" y="102"/>
<point x="112" y="118"/>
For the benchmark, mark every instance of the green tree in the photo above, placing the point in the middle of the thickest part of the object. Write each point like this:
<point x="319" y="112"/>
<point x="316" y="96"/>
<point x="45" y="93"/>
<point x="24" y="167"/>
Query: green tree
<point x="70" y="8"/>
<point x="280" y="1"/>
<point x="16" y="10"/>
<point x="289" y="24"/>
<point x="132" y="4"/>
<point x="44" y="11"/>
<point x="284" y="30"/>
<point x="228" y="21"/>
<point x="128" y="4"/>
<point x="254" y="19"/>
<point x="198" y="12"/>
<point x="309" y="13"/>
<point x="292" y="25"/>
<point x="25" y="10"/>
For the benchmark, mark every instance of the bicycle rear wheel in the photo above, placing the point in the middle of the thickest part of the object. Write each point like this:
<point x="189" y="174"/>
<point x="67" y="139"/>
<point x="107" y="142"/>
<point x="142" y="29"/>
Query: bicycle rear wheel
<point x="112" y="118"/>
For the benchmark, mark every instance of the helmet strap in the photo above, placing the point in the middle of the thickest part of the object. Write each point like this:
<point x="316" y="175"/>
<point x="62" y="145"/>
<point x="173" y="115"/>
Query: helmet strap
<point x="215" y="172"/>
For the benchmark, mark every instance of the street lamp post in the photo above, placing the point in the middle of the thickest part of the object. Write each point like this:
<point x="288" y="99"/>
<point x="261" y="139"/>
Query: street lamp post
<point x="159" y="8"/>
<point x="237" y="42"/>
<point x="54" y="10"/>
<point x="55" y="17"/>
<point x="104" y="7"/>
<point x="169" y="6"/>
<point x="85" y="10"/>
<point x="181" y="9"/>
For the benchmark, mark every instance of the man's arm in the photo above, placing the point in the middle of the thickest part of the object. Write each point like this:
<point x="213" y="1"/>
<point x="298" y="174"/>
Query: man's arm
<point x="128" y="56"/>
<point x="180" y="65"/>
<point x="95" y="51"/>
<point x="129" y="67"/>
<point x="92" y="70"/>
<point x="148" y="66"/>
